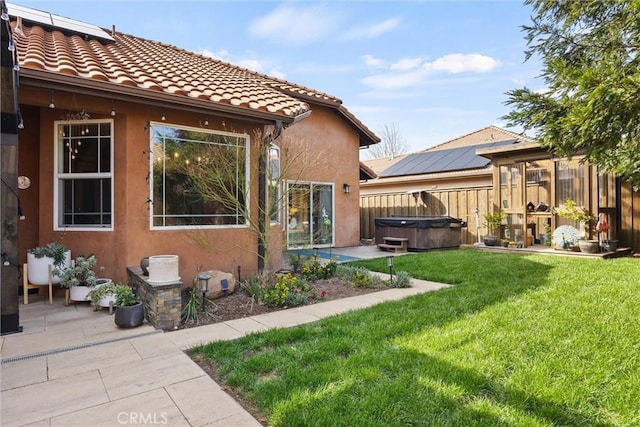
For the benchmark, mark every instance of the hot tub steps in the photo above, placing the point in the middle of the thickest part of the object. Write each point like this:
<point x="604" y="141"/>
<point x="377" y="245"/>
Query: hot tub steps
<point x="395" y="244"/>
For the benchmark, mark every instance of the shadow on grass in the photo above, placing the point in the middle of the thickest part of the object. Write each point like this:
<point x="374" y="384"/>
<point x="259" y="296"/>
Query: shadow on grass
<point x="347" y="370"/>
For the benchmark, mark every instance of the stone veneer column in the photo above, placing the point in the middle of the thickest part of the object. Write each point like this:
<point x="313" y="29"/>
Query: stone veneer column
<point x="162" y="302"/>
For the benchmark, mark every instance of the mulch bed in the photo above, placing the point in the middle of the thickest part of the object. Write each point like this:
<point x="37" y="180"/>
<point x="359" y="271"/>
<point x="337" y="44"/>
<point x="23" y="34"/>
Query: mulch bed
<point x="238" y="304"/>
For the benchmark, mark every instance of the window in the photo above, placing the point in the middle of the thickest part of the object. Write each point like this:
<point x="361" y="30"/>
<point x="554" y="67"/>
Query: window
<point x="198" y="177"/>
<point x="83" y="194"/>
<point x="275" y="192"/>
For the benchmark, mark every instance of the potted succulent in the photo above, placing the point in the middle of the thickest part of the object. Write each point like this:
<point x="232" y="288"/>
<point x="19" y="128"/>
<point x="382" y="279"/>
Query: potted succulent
<point x="39" y="259"/>
<point x="129" y="308"/>
<point x="80" y="278"/>
<point x="493" y="221"/>
<point x="102" y="295"/>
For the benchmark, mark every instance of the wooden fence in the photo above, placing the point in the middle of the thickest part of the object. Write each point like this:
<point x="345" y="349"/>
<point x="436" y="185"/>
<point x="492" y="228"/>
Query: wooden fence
<point x="461" y="203"/>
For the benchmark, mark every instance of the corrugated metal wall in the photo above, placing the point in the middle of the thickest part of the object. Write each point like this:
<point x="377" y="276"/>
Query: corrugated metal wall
<point x="455" y="203"/>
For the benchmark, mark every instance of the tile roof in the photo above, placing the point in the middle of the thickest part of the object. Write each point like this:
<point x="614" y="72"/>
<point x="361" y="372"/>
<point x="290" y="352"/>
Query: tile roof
<point x="153" y="66"/>
<point x="152" y="69"/>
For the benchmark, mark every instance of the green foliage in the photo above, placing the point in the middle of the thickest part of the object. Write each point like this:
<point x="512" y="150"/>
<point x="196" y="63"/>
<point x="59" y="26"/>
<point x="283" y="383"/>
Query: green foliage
<point x="99" y="292"/>
<point x="79" y="274"/>
<point x="589" y="51"/>
<point x="313" y="269"/>
<point x="53" y="250"/>
<point x="576" y="213"/>
<point x="125" y="296"/>
<point x="190" y="309"/>
<point x="494" y="219"/>
<point x="401" y="279"/>
<point x="252" y="287"/>
<point x="359" y="276"/>
<point x="278" y="293"/>
<point x="518" y="340"/>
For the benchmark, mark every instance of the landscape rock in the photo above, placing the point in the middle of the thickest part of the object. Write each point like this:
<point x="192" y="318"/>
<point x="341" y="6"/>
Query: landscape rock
<point x="215" y="287"/>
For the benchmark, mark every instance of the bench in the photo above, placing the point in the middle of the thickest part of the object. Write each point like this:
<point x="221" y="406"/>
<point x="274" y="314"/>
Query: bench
<point x="395" y="244"/>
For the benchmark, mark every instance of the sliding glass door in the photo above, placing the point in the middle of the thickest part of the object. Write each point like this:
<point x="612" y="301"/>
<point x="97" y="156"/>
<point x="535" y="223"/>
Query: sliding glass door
<point x="310" y="216"/>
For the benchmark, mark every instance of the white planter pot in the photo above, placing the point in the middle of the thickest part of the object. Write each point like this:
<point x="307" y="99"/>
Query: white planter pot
<point x="79" y="293"/>
<point x="105" y="301"/>
<point x="38" y="268"/>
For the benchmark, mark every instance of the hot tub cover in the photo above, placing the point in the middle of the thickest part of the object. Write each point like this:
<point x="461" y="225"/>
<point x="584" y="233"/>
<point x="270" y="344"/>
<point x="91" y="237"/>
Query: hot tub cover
<point x="420" y="222"/>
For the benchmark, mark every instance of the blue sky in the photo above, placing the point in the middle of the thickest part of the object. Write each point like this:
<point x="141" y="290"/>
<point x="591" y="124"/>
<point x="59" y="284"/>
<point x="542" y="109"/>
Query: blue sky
<point x="436" y="69"/>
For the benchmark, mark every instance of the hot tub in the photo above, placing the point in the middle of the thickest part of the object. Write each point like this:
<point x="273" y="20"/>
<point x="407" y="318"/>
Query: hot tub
<point x="423" y="232"/>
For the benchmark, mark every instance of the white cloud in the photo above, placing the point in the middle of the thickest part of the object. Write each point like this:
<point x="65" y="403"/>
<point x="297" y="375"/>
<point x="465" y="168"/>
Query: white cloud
<point x="222" y="54"/>
<point x="295" y="25"/>
<point x="372" y="62"/>
<point x="251" y="64"/>
<point x="373" y="30"/>
<point x="278" y="74"/>
<point x="460" y="63"/>
<point x="395" y="80"/>
<point x="406" y="64"/>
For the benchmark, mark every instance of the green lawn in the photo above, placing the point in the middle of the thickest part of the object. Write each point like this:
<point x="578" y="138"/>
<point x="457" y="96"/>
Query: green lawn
<point x="519" y="340"/>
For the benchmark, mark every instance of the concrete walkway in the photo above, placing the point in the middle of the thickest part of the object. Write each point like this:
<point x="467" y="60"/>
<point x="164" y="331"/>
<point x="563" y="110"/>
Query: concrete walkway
<point x="73" y="367"/>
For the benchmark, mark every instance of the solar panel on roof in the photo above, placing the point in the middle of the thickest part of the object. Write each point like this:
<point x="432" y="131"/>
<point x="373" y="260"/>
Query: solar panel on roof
<point x="59" y="22"/>
<point x="452" y="159"/>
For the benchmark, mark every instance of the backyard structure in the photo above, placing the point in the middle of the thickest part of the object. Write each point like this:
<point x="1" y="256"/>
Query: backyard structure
<point x="447" y="179"/>
<point x="505" y="172"/>
<point x="107" y="118"/>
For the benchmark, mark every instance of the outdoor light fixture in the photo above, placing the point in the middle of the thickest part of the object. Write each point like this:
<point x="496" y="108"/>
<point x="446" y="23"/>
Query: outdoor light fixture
<point x="203" y="285"/>
<point x="5" y="13"/>
<point x="5" y="259"/>
<point x="11" y="47"/>
<point x="52" y="104"/>
<point x="346" y="188"/>
<point x="315" y="253"/>
<point x="390" y="265"/>
<point x="163" y="118"/>
<point x="20" y="121"/>
<point x="206" y="122"/>
<point x="113" y="109"/>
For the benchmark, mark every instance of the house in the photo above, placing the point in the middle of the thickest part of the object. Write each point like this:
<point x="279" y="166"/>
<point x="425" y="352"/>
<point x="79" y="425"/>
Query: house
<point x="446" y="179"/>
<point x="111" y="124"/>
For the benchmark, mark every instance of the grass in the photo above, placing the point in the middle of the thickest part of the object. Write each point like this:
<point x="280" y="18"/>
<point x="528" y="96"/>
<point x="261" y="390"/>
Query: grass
<point x="519" y="340"/>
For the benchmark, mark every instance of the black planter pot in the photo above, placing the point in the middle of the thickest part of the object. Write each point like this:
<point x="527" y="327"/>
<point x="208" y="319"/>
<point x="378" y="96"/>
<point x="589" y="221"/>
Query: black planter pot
<point x="129" y="316"/>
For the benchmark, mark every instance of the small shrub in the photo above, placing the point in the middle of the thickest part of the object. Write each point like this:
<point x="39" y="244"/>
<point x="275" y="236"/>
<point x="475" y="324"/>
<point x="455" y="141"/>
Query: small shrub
<point x="190" y="310"/>
<point x="402" y="279"/>
<point x="252" y="287"/>
<point x="313" y="269"/>
<point x="277" y="293"/>
<point x="359" y="276"/>
<point x="296" y="297"/>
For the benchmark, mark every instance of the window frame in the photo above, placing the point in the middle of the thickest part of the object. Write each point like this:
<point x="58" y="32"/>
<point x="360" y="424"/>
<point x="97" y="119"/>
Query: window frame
<point x="58" y="177"/>
<point x="247" y="149"/>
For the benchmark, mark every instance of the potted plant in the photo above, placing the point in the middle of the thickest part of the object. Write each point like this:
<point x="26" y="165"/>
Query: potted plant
<point x="79" y="278"/>
<point x="493" y="221"/>
<point x="39" y="259"/>
<point x="102" y="295"/>
<point x="129" y="309"/>
<point x="602" y="227"/>
<point x="582" y="216"/>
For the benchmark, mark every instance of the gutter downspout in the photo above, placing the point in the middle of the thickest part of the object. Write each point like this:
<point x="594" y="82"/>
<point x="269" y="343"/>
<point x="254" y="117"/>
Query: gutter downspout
<point x="262" y="191"/>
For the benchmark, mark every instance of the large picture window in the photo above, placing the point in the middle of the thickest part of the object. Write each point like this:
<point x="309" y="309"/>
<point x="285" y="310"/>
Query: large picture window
<point x="83" y="194"/>
<point x="198" y="177"/>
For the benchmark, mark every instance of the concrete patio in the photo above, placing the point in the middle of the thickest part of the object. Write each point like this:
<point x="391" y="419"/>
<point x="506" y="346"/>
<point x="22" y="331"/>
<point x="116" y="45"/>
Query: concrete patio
<point x="72" y="366"/>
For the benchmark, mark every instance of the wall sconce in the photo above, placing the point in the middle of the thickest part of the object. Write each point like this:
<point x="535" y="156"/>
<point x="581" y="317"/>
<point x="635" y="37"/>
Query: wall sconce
<point x="163" y="118"/>
<point x="113" y="109"/>
<point x="203" y="286"/>
<point x="390" y="265"/>
<point x="346" y="188"/>
<point x="52" y="104"/>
